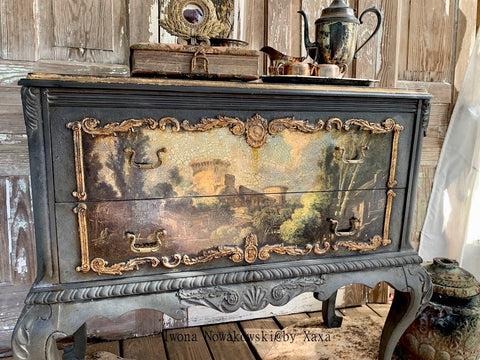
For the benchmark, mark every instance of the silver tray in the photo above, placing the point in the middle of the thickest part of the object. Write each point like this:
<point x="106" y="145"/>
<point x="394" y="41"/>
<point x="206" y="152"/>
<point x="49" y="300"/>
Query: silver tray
<point x="299" y="79"/>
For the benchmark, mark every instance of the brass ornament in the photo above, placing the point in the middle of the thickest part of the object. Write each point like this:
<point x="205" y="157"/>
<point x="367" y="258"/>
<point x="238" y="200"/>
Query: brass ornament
<point x="153" y="242"/>
<point x="130" y="157"/>
<point x="278" y="125"/>
<point x="80" y="193"/>
<point x="100" y="266"/>
<point x="373" y="244"/>
<point x="256" y="131"/>
<point x="192" y="21"/>
<point x="251" y="250"/>
<point x="81" y="211"/>
<point x="236" y="126"/>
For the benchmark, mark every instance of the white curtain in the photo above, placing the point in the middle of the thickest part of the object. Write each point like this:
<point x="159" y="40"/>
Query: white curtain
<point x="452" y="224"/>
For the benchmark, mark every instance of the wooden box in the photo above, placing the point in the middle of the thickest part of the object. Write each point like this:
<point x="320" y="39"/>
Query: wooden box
<point x="173" y="60"/>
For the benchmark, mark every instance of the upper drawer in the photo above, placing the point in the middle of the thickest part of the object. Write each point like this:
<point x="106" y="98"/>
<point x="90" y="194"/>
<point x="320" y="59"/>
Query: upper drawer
<point x="164" y="158"/>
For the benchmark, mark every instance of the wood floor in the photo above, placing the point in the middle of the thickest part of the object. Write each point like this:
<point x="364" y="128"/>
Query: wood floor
<point x="251" y="339"/>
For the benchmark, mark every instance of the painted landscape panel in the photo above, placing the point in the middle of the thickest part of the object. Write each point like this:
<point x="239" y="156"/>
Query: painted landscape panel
<point x="165" y="164"/>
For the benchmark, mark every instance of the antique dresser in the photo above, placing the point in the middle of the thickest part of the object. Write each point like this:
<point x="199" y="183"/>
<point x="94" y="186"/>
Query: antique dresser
<point x="164" y="194"/>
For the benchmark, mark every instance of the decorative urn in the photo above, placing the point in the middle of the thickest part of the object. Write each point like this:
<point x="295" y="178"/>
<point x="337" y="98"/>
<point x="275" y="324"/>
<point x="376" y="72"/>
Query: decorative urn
<point x="449" y="327"/>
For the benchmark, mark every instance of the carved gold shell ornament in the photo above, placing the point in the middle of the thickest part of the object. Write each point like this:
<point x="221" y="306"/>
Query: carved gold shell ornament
<point x="194" y="22"/>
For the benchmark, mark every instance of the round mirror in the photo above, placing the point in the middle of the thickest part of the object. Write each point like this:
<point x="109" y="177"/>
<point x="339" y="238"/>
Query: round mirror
<point x="193" y="13"/>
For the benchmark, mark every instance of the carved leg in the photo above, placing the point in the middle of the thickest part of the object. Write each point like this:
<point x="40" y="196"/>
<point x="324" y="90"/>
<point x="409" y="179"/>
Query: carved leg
<point x="79" y="348"/>
<point x="33" y="335"/>
<point x="330" y="319"/>
<point x="405" y="308"/>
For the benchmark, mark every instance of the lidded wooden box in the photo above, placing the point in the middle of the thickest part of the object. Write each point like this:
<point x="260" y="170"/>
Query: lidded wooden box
<point x="194" y="61"/>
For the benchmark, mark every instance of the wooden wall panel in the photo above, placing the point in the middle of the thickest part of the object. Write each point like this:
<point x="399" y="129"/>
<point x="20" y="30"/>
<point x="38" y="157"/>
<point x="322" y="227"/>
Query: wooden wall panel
<point x="464" y="32"/>
<point x="143" y="21"/>
<point x="18" y="30"/>
<point x="254" y="28"/>
<point x="5" y="274"/>
<point x="20" y="227"/>
<point x="283" y="26"/>
<point x="84" y="43"/>
<point x="430" y="29"/>
<point x="83" y="24"/>
<point x="390" y="42"/>
<point x="366" y="62"/>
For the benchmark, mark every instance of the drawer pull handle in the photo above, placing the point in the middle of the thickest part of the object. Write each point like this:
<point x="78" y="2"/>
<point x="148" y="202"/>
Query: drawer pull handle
<point x="354" y="225"/>
<point x="357" y="161"/>
<point x="152" y="243"/>
<point x="130" y="155"/>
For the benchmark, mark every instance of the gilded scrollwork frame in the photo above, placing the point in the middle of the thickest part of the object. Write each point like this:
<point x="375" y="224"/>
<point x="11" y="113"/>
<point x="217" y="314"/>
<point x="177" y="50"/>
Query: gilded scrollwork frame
<point x="255" y="131"/>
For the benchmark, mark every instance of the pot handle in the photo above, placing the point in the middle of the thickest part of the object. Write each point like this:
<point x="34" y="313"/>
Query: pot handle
<point x="379" y="22"/>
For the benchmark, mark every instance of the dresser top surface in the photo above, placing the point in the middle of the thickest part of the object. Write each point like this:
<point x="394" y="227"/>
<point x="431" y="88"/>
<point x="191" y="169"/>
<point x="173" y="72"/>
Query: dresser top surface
<point x="55" y="80"/>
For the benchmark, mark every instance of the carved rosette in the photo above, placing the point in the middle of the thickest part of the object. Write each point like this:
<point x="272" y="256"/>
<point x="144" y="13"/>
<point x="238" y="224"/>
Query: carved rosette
<point x="255" y="131"/>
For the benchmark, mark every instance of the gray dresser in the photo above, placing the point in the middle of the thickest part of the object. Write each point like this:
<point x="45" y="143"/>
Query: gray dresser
<point x="165" y="194"/>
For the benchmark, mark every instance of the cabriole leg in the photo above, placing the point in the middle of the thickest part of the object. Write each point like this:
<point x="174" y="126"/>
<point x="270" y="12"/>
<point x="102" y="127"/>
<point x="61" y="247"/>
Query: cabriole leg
<point x="79" y="348"/>
<point x="33" y="337"/>
<point x="330" y="319"/>
<point x="405" y="308"/>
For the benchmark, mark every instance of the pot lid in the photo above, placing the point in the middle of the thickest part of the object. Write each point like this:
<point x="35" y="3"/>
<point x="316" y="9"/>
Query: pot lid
<point x="338" y="11"/>
<point x="450" y="279"/>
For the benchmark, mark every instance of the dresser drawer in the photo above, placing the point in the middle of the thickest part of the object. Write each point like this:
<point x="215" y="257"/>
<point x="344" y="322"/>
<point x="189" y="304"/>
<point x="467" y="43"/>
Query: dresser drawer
<point x="144" y="158"/>
<point x="117" y="237"/>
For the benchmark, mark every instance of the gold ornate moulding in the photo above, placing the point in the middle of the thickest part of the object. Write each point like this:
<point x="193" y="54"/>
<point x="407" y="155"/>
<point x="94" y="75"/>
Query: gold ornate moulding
<point x="255" y="131"/>
<point x="249" y="253"/>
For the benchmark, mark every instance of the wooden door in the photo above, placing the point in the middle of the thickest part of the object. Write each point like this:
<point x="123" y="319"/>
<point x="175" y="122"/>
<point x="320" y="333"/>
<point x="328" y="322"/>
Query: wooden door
<point x="421" y="44"/>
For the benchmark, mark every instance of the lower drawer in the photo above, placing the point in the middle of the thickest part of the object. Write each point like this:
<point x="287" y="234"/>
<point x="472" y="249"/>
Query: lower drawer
<point x="124" y="237"/>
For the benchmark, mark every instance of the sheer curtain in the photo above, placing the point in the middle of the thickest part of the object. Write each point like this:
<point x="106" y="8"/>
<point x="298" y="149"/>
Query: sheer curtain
<point x="452" y="224"/>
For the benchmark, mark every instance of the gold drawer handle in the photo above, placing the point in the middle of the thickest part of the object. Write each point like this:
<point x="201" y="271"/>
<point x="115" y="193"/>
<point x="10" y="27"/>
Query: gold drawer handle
<point x="152" y="242"/>
<point x="357" y="161"/>
<point x="354" y="226"/>
<point x="130" y="155"/>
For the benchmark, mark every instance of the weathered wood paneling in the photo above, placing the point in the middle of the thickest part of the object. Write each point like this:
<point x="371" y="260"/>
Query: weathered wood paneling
<point x="91" y="37"/>
<point x="12" y="71"/>
<point x="283" y="26"/>
<point x="429" y="52"/>
<point x="83" y="24"/>
<point x="367" y="58"/>
<point x="465" y="38"/>
<point x="18" y="30"/>
<point x="254" y="27"/>
<point x="5" y="274"/>
<point x="390" y="43"/>
<point x="143" y="21"/>
<point x="21" y="234"/>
